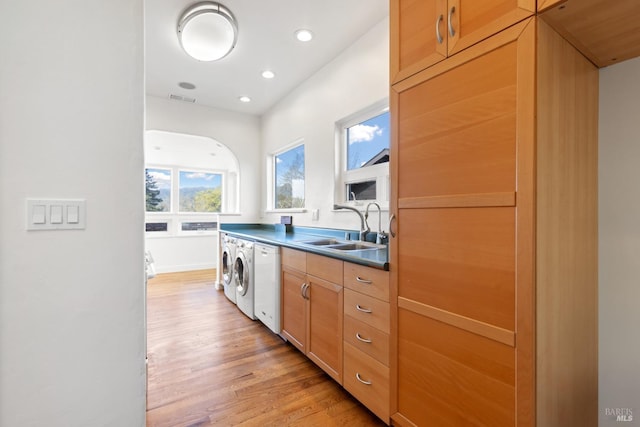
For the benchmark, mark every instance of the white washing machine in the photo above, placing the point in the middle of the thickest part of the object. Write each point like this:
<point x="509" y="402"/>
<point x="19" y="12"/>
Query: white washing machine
<point x="244" y="280"/>
<point x="226" y="263"/>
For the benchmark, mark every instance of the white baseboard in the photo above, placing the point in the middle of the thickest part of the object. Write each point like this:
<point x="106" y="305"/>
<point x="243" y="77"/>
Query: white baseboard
<point x="185" y="267"/>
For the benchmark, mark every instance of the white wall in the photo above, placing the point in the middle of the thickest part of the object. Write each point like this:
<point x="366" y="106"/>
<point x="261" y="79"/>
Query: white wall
<point x="619" y="229"/>
<point x="238" y="132"/>
<point x="72" y="342"/>
<point x="356" y="79"/>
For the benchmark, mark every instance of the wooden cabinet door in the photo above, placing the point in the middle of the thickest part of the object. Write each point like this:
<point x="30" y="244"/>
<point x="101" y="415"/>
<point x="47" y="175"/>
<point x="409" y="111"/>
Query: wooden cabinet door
<point x="460" y="133"/>
<point x="325" y="326"/>
<point x="424" y="32"/>
<point x="294" y="308"/>
<point x="414" y="42"/>
<point x="470" y="21"/>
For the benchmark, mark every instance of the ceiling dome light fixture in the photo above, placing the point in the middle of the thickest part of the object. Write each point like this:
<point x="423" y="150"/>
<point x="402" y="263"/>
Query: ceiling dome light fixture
<point x="304" y="35"/>
<point x="207" y="31"/>
<point x="268" y="74"/>
<point x="244" y="98"/>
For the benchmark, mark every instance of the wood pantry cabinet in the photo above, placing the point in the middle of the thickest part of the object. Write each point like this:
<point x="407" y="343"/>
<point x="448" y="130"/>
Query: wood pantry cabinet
<point x="494" y="263"/>
<point x="312" y="308"/>
<point x="424" y="32"/>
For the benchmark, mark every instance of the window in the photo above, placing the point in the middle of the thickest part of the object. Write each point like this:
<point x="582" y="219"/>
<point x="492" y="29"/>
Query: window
<point x="363" y="141"/>
<point x="158" y="189"/>
<point x="200" y="192"/>
<point x="289" y="178"/>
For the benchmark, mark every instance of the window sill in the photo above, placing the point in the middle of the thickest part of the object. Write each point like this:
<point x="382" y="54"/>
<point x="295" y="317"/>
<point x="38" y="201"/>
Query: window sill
<point x="292" y="210"/>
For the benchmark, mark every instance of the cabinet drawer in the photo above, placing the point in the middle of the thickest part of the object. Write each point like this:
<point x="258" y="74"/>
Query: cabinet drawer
<point x="367" y="309"/>
<point x="294" y="259"/>
<point x="367" y="380"/>
<point x="367" y="280"/>
<point x="368" y="339"/>
<point x="326" y="268"/>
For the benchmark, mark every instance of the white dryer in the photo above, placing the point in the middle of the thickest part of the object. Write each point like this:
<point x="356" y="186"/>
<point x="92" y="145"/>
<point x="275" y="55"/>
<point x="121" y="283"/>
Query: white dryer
<point x="227" y="261"/>
<point x="244" y="280"/>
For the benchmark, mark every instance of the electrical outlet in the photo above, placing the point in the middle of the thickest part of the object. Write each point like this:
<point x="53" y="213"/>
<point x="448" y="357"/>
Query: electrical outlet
<point x="315" y="214"/>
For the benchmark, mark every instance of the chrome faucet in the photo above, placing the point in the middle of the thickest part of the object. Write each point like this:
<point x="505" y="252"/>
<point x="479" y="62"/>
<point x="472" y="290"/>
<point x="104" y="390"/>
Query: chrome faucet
<point x="382" y="235"/>
<point x="364" y="227"/>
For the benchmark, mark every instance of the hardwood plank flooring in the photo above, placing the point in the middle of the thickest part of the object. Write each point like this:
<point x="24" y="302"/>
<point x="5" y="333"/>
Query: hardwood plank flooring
<point x="211" y="365"/>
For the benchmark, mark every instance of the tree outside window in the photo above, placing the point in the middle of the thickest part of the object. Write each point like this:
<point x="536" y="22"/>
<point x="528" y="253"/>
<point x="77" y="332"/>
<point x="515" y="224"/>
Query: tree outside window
<point x="158" y="190"/>
<point x="200" y="192"/>
<point x="289" y="178"/>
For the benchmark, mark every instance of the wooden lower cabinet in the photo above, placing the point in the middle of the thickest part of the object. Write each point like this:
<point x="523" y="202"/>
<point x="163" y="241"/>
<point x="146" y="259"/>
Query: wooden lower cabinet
<point x="367" y="380"/>
<point x="312" y="308"/>
<point x="494" y="263"/>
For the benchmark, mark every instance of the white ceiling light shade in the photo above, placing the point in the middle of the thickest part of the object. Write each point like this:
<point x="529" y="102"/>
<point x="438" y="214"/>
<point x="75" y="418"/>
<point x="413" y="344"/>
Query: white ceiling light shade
<point x="207" y="31"/>
<point x="304" y="35"/>
<point x="268" y="74"/>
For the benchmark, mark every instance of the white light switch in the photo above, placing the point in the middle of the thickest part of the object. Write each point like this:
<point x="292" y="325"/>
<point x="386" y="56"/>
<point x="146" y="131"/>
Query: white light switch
<point x="56" y="214"/>
<point x="39" y="214"/>
<point x="72" y="214"/>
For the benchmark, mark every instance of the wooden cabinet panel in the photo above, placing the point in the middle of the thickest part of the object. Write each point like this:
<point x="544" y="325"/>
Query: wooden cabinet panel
<point x="325" y="326"/>
<point x="424" y="32"/>
<point x="294" y="259"/>
<point x="367" y="280"/>
<point x="413" y="39"/>
<point x="325" y="268"/>
<point x="368" y="380"/>
<point x="461" y="260"/>
<point x="456" y="132"/>
<point x="367" y="309"/>
<point x="447" y="376"/>
<point x="473" y="20"/>
<point x="294" y="311"/>
<point x="367" y="339"/>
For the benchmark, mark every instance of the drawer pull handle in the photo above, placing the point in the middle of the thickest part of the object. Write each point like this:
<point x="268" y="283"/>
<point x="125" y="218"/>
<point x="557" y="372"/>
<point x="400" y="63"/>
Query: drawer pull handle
<point x="361" y="380"/>
<point x="361" y="280"/>
<point x="452" y="32"/>
<point x="438" y="35"/>
<point x="368" y="341"/>
<point x="364" y="310"/>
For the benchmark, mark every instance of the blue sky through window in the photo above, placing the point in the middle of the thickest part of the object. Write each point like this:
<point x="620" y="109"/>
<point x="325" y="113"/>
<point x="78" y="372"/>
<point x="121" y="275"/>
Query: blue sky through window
<point x="367" y="139"/>
<point x="200" y="180"/>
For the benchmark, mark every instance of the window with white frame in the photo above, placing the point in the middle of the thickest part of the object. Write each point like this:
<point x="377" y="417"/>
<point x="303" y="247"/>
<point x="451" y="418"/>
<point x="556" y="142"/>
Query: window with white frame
<point x="187" y="199"/>
<point x="363" y="140"/>
<point x="289" y="178"/>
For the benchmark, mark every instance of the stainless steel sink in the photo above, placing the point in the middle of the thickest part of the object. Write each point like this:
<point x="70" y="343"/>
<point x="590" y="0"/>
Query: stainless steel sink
<point x="343" y="245"/>
<point x="355" y="247"/>
<point x="322" y="242"/>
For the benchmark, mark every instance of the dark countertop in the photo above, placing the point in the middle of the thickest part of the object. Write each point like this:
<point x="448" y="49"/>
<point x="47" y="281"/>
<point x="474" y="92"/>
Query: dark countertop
<point x="267" y="233"/>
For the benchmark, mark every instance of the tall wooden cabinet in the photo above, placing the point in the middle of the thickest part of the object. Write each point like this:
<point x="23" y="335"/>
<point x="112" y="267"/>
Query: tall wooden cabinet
<point x="494" y="263"/>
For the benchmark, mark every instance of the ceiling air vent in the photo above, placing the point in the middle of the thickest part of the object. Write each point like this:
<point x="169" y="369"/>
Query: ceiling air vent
<point x="181" y="98"/>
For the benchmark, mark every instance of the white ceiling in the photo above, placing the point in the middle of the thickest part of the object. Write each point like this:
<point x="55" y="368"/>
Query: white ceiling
<point x="265" y="41"/>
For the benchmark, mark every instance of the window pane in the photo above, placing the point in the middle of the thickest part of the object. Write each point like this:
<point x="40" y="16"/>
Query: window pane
<point x="368" y="142"/>
<point x="361" y="190"/>
<point x="289" y="179"/>
<point x="200" y="192"/>
<point x="158" y="190"/>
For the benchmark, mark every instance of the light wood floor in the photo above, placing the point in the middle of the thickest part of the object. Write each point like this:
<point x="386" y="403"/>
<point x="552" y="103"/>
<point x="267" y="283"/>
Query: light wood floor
<point x="210" y="365"/>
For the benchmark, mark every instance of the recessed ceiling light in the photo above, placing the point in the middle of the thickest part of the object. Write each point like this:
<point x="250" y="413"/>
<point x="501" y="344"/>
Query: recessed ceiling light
<point x="187" y="85"/>
<point x="304" y="35"/>
<point x="268" y="74"/>
<point x="244" y="99"/>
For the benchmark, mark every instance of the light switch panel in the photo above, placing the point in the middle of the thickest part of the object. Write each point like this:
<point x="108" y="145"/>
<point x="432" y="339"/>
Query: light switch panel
<point x="56" y="214"/>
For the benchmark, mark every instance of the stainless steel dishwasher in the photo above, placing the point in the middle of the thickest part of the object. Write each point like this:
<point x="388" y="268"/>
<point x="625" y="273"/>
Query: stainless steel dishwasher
<point x="267" y="285"/>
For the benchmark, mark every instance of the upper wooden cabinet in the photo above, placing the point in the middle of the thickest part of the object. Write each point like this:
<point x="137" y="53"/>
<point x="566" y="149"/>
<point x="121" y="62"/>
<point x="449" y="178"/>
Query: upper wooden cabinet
<point x="423" y="32"/>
